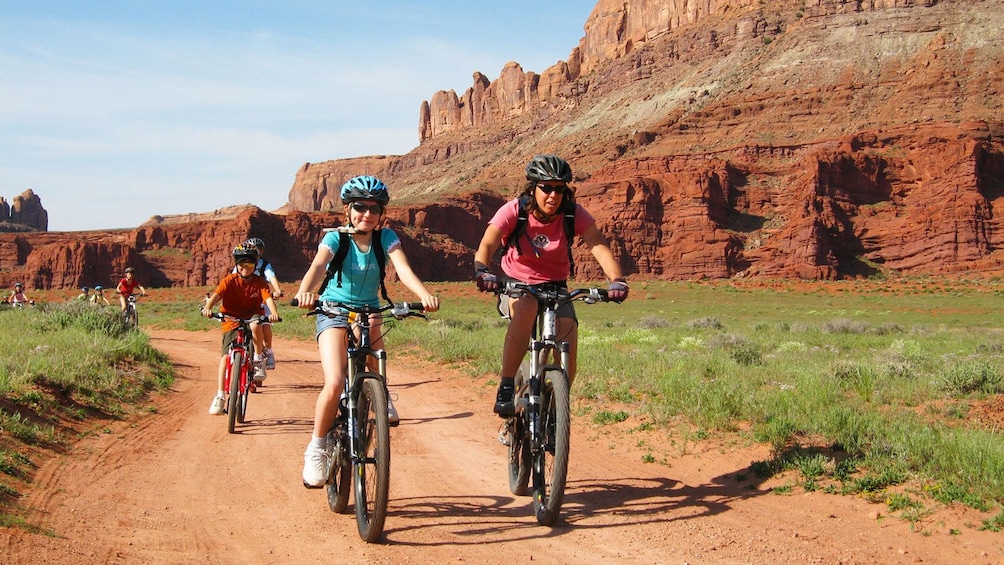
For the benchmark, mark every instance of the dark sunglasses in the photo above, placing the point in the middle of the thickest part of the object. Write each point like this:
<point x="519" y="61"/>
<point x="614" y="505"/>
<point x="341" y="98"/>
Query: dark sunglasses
<point x="548" y="189"/>
<point x="375" y="209"/>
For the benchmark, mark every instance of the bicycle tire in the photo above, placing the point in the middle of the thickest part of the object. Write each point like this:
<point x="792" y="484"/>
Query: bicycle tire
<point x="519" y="448"/>
<point x="243" y="390"/>
<point x="550" y="466"/>
<point x="235" y="360"/>
<point x="371" y="465"/>
<point x="339" y="470"/>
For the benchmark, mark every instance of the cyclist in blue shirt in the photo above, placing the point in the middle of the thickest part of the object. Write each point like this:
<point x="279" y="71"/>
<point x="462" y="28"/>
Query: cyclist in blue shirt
<point x="365" y="198"/>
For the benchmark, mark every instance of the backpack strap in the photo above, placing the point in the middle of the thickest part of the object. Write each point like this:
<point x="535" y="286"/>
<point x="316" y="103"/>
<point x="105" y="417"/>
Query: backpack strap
<point x="335" y="265"/>
<point x="522" y="219"/>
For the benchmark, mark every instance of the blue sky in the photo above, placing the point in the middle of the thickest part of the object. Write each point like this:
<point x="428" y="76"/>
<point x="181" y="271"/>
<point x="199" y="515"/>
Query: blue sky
<point x="115" y="111"/>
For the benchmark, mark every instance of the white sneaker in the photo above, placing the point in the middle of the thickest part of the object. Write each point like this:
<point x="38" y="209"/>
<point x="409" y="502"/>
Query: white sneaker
<point x="269" y="359"/>
<point x="259" y="371"/>
<point x="315" y="466"/>
<point x="392" y="417"/>
<point x="216" y="408"/>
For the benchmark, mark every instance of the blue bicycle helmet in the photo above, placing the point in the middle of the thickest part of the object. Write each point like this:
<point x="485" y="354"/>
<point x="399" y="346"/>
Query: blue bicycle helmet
<point x="365" y="187"/>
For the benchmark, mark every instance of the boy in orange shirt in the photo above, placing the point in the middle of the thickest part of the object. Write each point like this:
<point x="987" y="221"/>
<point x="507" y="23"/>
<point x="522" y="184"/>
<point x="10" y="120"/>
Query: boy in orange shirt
<point x="241" y="295"/>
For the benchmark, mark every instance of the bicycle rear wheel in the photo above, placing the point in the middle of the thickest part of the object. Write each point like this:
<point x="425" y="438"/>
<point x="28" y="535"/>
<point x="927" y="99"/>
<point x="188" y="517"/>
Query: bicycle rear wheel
<point x="233" y="376"/>
<point x="519" y="448"/>
<point x="372" y="461"/>
<point x="550" y="461"/>
<point x="339" y="469"/>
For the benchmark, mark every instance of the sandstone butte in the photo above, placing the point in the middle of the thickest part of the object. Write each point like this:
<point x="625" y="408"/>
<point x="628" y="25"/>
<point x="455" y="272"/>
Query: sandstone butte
<point x="711" y="139"/>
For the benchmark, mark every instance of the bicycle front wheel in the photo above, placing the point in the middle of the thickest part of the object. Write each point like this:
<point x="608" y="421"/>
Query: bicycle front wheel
<point x="339" y="469"/>
<point x="233" y="376"/>
<point x="550" y="461"/>
<point x="371" y="462"/>
<point x="245" y="389"/>
<point x="519" y="447"/>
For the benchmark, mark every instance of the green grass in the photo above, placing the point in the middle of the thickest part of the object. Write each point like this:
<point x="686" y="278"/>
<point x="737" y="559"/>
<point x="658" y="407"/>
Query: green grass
<point x="881" y="375"/>
<point x="61" y="363"/>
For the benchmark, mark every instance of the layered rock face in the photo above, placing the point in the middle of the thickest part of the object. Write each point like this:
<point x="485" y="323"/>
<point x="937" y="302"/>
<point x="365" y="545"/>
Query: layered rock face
<point x="197" y="253"/>
<point x="742" y="138"/>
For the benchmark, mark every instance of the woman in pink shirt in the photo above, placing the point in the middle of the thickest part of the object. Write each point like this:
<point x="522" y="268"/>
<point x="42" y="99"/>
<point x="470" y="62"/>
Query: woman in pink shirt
<point x="540" y="254"/>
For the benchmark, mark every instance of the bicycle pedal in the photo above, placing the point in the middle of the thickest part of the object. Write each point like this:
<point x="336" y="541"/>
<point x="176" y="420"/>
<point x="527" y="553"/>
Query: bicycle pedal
<point x="504" y="434"/>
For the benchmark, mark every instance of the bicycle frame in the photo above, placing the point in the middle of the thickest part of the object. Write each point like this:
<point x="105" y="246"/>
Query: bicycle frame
<point x="538" y="434"/>
<point x="349" y="438"/>
<point x="239" y="389"/>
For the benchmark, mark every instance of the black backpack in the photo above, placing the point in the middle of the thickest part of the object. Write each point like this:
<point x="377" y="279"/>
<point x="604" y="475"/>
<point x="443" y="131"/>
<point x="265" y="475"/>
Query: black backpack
<point x="335" y="266"/>
<point x="519" y="230"/>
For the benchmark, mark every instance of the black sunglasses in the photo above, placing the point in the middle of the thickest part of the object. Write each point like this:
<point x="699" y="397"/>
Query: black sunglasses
<point x="548" y="189"/>
<point x="375" y="209"/>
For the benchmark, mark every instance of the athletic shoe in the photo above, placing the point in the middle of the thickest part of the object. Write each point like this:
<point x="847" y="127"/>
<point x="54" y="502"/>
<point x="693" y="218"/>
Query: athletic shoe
<point x="504" y="406"/>
<point x="259" y="372"/>
<point x="315" y="464"/>
<point x="269" y="359"/>
<point x="216" y="408"/>
<point x="392" y="416"/>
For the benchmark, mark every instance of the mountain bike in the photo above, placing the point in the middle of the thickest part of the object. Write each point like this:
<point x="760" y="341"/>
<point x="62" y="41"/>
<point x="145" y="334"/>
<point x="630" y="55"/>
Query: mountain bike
<point x="358" y="442"/>
<point x="238" y="376"/>
<point x="537" y="436"/>
<point x="131" y="316"/>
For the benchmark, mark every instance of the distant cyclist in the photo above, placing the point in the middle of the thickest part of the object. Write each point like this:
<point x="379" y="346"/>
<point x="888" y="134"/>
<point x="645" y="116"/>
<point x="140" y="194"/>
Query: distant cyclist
<point x="98" y="297"/>
<point x="85" y="294"/>
<point x="540" y="254"/>
<point x="17" y="298"/>
<point x="264" y="269"/>
<point x="240" y="295"/>
<point x="127" y="287"/>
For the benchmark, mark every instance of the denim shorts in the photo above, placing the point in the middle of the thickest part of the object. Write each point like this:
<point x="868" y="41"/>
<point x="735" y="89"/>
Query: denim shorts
<point x="564" y="311"/>
<point x="327" y="322"/>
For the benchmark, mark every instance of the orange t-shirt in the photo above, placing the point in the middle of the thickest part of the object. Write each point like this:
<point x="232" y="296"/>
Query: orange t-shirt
<point x="242" y="298"/>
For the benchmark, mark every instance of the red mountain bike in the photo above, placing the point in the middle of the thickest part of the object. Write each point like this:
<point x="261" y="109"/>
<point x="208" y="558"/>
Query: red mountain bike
<point x="238" y="377"/>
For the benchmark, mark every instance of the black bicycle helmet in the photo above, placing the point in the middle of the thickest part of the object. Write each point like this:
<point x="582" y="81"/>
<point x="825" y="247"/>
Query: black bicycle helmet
<point x="130" y="270"/>
<point x="255" y="242"/>
<point x="548" y="168"/>
<point x="365" y="187"/>
<point x="18" y="285"/>
<point x="245" y="253"/>
<point x="85" y="289"/>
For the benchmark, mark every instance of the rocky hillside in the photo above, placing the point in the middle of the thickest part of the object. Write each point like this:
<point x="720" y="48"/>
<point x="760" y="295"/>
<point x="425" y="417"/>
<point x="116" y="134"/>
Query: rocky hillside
<point x="724" y="139"/>
<point x="819" y="139"/>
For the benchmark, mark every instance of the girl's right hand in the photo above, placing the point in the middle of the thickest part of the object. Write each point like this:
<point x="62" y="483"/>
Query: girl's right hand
<point x="306" y="300"/>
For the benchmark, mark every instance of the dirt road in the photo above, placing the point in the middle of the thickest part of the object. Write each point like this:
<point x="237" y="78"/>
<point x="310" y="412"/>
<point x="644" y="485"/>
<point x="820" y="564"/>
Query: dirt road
<point x="174" y="487"/>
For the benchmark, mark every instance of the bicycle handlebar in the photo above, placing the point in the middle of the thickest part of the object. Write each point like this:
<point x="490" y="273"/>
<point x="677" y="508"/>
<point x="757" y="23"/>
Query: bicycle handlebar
<point x="516" y="289"/>
<point x="259" y="318"/>
<point x="399" y="311"/>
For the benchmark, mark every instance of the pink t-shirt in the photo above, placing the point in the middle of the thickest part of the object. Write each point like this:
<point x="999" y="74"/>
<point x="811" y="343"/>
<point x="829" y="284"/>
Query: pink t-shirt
<point x="544" y="256"/>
